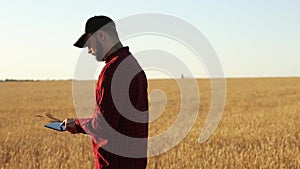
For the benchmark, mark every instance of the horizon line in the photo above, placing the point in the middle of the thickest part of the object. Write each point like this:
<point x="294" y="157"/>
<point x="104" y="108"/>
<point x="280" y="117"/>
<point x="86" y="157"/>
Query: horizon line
<point x="70" y="79"/>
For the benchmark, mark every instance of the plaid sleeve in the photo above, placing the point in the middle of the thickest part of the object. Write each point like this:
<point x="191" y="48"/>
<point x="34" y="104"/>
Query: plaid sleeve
<point x="104" y="110"/>
<point x="118" y="116"/>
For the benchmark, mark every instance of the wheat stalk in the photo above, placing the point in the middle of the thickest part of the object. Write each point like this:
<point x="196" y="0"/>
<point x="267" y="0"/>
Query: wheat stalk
<point x="49" y="115"/>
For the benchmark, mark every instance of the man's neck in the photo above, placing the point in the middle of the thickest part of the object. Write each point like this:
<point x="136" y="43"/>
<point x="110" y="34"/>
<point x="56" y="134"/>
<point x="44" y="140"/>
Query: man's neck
<point x="112" y="50"/>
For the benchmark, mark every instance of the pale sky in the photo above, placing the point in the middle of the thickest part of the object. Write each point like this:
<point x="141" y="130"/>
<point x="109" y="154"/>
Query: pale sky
<point x="252" y="38"/>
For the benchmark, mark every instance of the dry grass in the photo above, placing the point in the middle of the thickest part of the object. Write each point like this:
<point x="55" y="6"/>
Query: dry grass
<point x="259" y="129"/>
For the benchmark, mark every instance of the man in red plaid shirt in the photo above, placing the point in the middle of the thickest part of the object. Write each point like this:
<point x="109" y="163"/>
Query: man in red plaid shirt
<point x="119" y="126"/>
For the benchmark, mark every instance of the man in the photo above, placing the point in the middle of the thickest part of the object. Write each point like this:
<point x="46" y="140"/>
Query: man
<point x="119" y="126"/>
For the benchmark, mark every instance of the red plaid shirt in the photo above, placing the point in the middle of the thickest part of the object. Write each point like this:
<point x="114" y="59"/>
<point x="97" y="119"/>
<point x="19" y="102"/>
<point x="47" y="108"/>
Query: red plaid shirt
<point x="114" y="119"/>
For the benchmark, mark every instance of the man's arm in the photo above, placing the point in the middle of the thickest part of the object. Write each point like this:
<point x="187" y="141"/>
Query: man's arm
<point x="73" y="126"/>
<point x="82" y="125"/>
<point x="93" y="126"/>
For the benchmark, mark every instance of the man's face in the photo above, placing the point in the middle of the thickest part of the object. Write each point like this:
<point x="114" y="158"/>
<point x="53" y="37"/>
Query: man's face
<point x="95" y="48"/>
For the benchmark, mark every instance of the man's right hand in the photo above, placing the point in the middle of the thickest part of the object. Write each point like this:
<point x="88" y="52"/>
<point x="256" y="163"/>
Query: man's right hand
<point x="70" y="125"/>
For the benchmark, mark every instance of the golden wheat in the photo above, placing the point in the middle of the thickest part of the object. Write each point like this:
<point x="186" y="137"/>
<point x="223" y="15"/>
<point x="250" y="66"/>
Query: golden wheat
<point x="259" y="129"/>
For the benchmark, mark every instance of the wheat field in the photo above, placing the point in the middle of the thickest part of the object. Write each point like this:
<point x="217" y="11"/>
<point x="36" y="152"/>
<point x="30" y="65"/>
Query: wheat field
<point x="259" y="128"/>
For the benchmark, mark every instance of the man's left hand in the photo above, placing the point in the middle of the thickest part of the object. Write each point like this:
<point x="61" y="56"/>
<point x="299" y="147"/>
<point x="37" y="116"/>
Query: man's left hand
<point x="70" y="125"/>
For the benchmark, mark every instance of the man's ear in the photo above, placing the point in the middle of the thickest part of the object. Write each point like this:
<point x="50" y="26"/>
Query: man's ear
<point x="101" y="35"/>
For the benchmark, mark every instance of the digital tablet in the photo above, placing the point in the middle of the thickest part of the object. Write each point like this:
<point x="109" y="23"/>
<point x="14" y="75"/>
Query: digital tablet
<point x="55" y="126"/>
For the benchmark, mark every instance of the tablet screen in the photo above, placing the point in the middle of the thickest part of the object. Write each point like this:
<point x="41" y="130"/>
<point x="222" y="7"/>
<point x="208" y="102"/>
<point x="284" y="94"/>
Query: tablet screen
<point x="55" y="126"/>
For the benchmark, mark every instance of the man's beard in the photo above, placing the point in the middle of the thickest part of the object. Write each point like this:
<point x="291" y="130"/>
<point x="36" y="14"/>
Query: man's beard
<point x="99" y="53"/>
<point x="99" y="57"/>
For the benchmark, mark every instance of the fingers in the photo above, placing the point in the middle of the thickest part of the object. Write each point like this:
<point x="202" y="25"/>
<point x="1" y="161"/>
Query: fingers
<point x="70" y="125"/>
<point x="63" y="123"/>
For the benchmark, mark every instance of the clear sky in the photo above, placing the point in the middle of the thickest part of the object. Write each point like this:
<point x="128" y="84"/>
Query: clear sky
<point x="252" y="38"/>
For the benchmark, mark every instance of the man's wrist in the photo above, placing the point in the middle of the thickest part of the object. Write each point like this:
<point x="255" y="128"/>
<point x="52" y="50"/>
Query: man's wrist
<point x="78" y="127"/>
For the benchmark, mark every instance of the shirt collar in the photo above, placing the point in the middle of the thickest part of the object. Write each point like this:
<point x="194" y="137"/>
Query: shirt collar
<point x="124" y="51"/>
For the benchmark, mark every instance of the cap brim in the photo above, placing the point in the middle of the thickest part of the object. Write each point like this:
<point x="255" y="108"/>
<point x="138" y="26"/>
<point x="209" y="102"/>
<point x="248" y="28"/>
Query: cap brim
<point x="81" y="42"/>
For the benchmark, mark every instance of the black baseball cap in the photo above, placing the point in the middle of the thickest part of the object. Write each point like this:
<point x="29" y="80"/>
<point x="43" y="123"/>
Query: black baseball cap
<point x="92" y="25"/>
